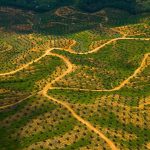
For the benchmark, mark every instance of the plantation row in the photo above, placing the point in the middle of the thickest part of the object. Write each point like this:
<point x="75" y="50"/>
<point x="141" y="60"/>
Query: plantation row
<point x="107" y="68"/>
<point x="30" y="121"/>
<point x="21" y="49"/>
<point x="39" y="124"/>
<point x="117" y="115"/>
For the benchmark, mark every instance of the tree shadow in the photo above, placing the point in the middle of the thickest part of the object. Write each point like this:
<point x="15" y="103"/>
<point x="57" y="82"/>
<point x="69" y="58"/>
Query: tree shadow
<point x="50" y="23"/>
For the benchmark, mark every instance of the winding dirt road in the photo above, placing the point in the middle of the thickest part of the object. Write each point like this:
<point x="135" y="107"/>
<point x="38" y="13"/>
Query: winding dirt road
<point x="70" y="68"/>
<point x="109" y="42"/>
<point x="26" y="65"/>
<point x="74" y="114"/>
<point x="88" y="124"/>
<point x="136" y="72"/>
<point x="10" y="105"/>
<point x="70" y="50"/>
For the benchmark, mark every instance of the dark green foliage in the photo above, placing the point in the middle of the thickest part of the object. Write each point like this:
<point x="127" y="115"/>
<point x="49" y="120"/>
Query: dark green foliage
<point x="132" y="6"/>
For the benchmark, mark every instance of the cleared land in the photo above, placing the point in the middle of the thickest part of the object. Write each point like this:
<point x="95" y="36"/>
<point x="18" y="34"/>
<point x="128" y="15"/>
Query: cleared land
<point x="57" y="89"/>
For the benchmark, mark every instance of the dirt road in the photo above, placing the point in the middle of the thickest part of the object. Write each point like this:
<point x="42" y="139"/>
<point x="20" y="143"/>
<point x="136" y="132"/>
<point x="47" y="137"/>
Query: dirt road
<point x="70" y="68"/>
<point x="70" y="50"/>
<point x="74" y="114"/>
<point x="136" y="72"/>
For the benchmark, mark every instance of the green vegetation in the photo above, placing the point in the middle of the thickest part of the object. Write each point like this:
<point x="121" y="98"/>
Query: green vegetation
<point x="25" y="80"/>
<point x="65" y="72"/>
<point x="133" y="6"/>
<point x="109" y="66"/>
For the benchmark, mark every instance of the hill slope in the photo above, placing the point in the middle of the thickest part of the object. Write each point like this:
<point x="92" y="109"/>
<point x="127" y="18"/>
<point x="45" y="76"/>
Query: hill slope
<point x="132" y="6"/>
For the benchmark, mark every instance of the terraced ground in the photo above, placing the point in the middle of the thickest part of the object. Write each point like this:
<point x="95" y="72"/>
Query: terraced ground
<point x="74" y="81"/>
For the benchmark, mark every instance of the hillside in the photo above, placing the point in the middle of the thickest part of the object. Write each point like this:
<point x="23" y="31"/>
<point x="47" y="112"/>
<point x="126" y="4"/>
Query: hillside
<point x="132" y="6"/>
<point x="74" y="80"/>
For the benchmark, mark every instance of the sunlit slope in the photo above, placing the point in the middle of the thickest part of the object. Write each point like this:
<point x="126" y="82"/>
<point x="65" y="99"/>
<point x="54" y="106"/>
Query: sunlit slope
<point x="74" y="81"/>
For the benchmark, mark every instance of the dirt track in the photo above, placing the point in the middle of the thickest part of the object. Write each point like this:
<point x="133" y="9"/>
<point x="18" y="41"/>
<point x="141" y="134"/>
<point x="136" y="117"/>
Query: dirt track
<point x="70" y="51"/>
<point x="86" y="123"/>
<point x="69" y="70"/>
<point x="26" y="65"/>
<point x="137" y="71"/>
<point x="10" y="105"/>
<point x="74" y="114"/>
